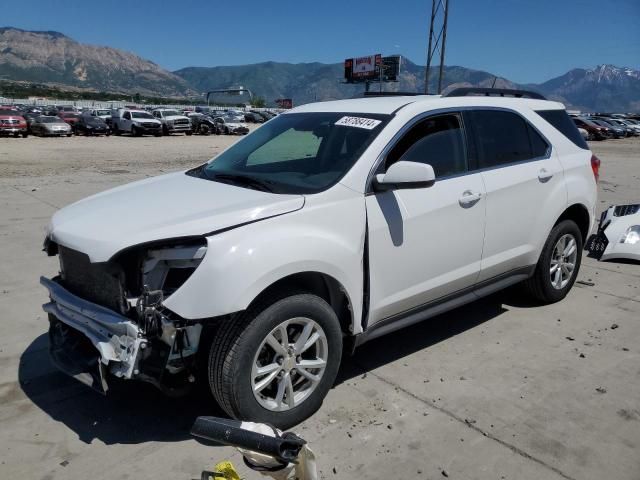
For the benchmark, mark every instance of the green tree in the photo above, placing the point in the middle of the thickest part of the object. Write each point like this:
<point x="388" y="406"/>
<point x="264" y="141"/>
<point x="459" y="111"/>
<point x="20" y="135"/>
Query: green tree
<point x="259" y="102"/>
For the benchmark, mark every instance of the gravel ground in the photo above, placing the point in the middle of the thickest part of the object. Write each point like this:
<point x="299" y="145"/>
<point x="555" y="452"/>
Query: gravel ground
<point x="498" y="389"/>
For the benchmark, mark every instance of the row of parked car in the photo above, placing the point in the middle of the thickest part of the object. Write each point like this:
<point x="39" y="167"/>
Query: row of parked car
<point x="603" y="127"/>
<point x="67" y="121"/>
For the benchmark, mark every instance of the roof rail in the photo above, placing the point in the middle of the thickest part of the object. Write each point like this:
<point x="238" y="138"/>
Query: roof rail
<point x="391" y="94"/>
<point x="502" y="92"/>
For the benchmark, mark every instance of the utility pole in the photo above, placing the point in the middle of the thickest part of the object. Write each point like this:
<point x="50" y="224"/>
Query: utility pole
<point x="437" y="40"/>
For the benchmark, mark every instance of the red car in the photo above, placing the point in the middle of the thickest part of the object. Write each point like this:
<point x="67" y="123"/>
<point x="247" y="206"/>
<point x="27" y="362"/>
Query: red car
<point x="596" y="132"/>
<point x="69" y="117"/>
<point x="12" y="123"/>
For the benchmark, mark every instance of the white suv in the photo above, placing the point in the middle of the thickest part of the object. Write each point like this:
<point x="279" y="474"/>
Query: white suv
<point x="332" y="224"/>
<point x="172" y="121"/>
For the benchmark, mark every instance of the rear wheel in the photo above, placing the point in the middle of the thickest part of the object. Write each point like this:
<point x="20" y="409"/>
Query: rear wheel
<point x="558" y="265"/>
<point x="204" y="129"/>
<point x="276" y="363"/>
<point x="116" y="130"/>
<point x="25" y="135"/>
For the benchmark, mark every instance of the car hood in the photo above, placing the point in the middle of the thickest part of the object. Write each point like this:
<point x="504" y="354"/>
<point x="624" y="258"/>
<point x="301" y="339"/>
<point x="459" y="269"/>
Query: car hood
<point x="55" y="124"/>
<point x="165" y="207"/>
<point x="146" y="120"/>
<point x="176" y="117"/>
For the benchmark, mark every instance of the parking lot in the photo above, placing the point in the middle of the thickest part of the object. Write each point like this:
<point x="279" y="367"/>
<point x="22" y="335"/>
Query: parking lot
<point x="498" y="389"/>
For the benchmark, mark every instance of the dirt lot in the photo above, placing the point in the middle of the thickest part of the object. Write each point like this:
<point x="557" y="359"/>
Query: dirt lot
<point x="499" y="389"/>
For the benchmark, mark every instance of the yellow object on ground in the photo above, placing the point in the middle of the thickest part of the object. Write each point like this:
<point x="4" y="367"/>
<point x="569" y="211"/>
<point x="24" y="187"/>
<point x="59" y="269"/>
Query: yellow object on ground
<point x="228" y="470"/>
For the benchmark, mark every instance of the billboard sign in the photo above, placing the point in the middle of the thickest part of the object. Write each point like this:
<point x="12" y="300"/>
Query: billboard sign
<point x="362" y="68"/>
<point x="284" y="103"/>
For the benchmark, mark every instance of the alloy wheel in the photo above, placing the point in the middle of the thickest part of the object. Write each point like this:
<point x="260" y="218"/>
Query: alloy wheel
<point x="563" y="261"/>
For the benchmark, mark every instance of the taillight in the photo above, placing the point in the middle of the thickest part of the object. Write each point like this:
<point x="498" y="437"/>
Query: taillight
<point x="595" y="166"/>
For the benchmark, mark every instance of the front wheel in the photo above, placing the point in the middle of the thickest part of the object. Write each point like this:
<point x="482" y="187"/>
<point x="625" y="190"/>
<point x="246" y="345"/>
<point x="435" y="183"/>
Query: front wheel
<point x="276" y="363"/>
<point x="558" y="265"/>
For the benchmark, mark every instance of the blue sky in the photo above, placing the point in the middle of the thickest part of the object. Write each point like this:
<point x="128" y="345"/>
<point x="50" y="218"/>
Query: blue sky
<point x="522" y="40"/>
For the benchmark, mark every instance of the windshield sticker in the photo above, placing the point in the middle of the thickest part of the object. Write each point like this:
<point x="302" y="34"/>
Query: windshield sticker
<point x="359" y="122"/>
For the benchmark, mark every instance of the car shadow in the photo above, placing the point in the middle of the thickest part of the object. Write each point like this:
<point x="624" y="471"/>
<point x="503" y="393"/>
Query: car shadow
<point x="131" y="412"/>
<point x="135" y="412"/>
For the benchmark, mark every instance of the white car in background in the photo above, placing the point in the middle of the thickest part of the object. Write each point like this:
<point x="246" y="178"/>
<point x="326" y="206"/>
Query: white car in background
<point x="103" y="113"/>
<point x="330" y="225"/>
<point x="135" y="122"/>
<point x="231" y="126"/>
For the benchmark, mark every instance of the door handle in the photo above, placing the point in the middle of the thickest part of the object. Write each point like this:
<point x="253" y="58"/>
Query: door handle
<point x="469" y="198"/>
<point x="544" y="175"/>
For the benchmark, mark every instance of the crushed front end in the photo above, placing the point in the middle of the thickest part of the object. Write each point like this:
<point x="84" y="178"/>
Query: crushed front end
<point x="108" y="319"/>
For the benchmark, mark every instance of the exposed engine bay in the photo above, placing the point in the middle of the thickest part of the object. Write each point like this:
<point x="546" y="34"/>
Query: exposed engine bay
<point x="109" y="318"/>
<point x="618" y="235"/>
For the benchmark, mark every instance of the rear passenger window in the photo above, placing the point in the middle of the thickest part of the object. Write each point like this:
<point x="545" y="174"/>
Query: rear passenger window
<point x="504" y="137"/>
<point x="563" y="123"/>
<point x="438" y="141"/>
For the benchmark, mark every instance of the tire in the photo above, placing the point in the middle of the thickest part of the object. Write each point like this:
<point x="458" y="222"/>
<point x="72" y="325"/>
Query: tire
<point x="135" y="132"/>
<point x="25" y="135"/>
<point x="165" y="130"/>
<point x="16" y="135"/>
<point x="544" y="286"/>
<point x="204" y="129"/>
<point x="69" y="135"/>
<point x="226" y="131"/>
<point x="241" y="342"/>
<point x="116" y="131"/>
<point x="188" y="133"/>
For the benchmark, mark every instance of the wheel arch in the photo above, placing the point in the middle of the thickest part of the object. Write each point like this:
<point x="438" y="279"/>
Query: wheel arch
<point x="321" y="284"/>
<point x="580" y="215"/>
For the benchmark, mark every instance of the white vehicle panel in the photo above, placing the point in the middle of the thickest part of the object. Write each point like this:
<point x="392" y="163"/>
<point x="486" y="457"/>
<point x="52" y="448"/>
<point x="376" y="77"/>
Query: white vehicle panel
<point x="326" y="236"/>
<point x="423" y="244"/>
<point x="168" y="206"/>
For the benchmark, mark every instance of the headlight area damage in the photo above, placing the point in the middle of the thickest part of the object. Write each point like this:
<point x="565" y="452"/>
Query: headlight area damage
<point x="618" y="235"/>
<point x="109" y="319"/>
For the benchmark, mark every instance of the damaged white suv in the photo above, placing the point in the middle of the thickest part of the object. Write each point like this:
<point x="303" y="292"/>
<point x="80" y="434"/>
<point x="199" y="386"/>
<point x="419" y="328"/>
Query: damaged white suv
<point x="330" y="225"/>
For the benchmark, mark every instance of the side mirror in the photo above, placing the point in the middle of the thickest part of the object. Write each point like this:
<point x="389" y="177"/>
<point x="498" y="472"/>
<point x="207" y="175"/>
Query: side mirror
<point x="404" y="174"/>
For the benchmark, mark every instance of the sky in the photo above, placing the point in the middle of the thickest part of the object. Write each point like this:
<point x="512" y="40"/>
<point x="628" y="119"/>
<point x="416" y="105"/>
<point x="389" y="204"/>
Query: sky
<point x="521" y="40"/>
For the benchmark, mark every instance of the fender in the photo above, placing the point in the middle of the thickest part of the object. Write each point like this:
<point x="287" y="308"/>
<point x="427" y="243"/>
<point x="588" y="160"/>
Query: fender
<point x="325" y="236"/>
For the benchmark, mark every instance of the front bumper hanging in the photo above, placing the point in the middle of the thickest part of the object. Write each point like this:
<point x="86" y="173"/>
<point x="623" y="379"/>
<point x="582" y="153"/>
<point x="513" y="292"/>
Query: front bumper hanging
<point x="114" y="341"/>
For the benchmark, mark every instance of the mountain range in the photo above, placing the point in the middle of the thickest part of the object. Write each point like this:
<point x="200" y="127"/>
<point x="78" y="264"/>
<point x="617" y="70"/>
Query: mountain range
<point x="52" y="58"/>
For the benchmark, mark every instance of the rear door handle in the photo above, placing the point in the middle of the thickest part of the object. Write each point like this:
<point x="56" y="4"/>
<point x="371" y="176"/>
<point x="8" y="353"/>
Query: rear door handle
<point x="469" y="198"/>
<point x="544" y="175"/>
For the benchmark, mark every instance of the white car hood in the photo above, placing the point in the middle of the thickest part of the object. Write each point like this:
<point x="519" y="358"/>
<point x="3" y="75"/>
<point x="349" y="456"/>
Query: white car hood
<point x="176" y="117"/>
<point x="169" y="206"/>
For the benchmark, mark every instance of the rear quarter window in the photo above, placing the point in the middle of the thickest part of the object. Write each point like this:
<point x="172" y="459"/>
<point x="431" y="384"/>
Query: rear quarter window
<point x="563" y="123"/>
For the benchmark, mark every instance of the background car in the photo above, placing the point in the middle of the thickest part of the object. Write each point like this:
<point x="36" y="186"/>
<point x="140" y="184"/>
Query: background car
<point x="253" y="117"/>
<point x="103" y="113"/>
<point x="47" y="125"/>
<point x="229" y="126"/>
<point x="13" y="123"/>
<point x="629" y="132"/>
<point x="135" y="122"/>
<point x="69" y="117"/>
<point x="172" y="121"/>
<point x="615" y="130"/>
<point x="203" y="124"/>
<point x="90" y="125"/>
<point x="596" y="132"/>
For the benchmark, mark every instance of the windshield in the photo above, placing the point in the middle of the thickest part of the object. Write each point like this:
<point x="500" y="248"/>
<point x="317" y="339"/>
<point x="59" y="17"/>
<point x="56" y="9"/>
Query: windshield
<point x="103" y="112"/>
<point x="49" y="120"/>
<point x="296" y="153"/>
<point x="141" y="115"/>
<point x="170" y="113"/>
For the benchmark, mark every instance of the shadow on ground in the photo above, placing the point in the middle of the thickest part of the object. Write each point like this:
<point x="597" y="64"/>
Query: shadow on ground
<point x="135" y="412"/>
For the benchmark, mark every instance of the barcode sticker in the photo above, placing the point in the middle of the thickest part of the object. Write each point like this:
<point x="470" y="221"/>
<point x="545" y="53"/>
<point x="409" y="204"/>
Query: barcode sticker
<point x="359" y="122"/>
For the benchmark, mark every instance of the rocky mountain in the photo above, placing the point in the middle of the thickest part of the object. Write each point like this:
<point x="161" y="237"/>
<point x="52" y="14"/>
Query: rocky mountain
<point x="53" y="58"/>
<point x="308" y="82"/>
<point x="604" y="88"/>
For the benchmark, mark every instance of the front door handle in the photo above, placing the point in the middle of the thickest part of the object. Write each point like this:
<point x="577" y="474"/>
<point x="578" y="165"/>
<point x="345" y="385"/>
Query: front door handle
<point x="544" y="175"/>
<point x="469" y="198"/>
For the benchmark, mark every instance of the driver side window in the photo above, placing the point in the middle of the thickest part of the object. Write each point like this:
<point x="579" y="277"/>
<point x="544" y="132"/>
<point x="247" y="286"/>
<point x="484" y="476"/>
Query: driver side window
<point x="127" y="116"/>
<point x="438" y="141"/>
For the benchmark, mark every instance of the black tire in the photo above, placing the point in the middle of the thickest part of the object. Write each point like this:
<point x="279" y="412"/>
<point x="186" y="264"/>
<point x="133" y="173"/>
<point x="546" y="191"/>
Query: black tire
<point x="204" y="129"/>
<point x="25" y="135"/>
<point x="135" y="131"/>
<point x="165" y="130"/>
<point x="235" y="345"/>
<point x="16" y="135"/>
<point x="540" y="286"/>
<point x="116" y="131"/>
<point x="188" y="133"/>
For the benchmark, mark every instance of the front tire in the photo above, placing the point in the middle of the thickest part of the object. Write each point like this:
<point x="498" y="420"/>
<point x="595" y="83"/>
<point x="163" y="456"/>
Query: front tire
<point x="276" y="362"/>
<point x="558" y="265"/>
